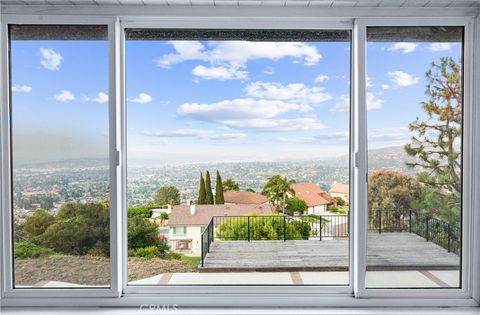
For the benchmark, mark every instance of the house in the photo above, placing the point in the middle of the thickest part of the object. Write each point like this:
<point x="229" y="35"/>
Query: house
<point x="187" y="222"/>
<point x="316" y="199"/>
<point x="241" y="197"/>
<point x="340" y="190"/>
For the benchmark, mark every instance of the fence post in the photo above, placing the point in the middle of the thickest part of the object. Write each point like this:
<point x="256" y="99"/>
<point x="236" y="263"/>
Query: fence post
<point x="208" y="238"/>
<point x="213" y="226"/>
<point x="320" y="228"/>
<point x="449" y="242"/>
<point x="248" y="227"/>
<point x="410" y="221"/>
<point x="201" y="248"/>
<point x="284" y="228"/>
<point x="379" y="221"/>
<point x="428" y="220"/>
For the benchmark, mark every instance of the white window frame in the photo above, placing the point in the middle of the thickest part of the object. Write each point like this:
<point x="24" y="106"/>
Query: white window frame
<point x="7" y="285"/>
<point x="355" y="294"/>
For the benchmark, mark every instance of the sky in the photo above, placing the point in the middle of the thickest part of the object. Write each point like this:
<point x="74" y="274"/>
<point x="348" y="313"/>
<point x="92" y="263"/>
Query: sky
<point x="203" y="101"/>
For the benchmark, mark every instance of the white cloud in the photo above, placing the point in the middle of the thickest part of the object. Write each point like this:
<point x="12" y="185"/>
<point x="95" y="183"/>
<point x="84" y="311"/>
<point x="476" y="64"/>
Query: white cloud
<point x="65" y="96"/>
<point x="219" y="73"/>
<point x="142" y="98"/>
<point x="21" y="88"/>
<point x="249" y="113"/>
<point x="297" y="92"/>
<point x="369" y="82"/>
<point x="325" y="138"/>
<point x="269" y="70"/>
<point x="292" y="124"/>
<point x="404" y="47"/>
<point x="440" y="46"/>
<point x="373" y="102"/>
<point x="50" y="60"/>
<point x="321" y="78"/>
<point x="402" y="79"/>
<point x="342" y="104"/>
<point x="238" y="52"/>
<point x="240" y="108"/>
<point x="101" y="98"/>
<point x="385" y="86"/>
<point x="194" y="133"/>
<point x="389" y="134"/>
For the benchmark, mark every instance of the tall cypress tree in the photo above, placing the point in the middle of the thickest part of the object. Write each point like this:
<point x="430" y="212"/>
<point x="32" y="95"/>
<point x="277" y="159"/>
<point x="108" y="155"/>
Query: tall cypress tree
<point x="208" y="190"/>
<point x="201" y="191"/>
<point x="219" y="199"/>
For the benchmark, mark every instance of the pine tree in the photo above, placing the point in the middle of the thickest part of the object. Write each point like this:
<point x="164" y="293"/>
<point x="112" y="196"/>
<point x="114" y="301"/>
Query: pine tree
<point x="208" y="190"/>
<point x="201" y="191"/>
<point x="219" y="199"/>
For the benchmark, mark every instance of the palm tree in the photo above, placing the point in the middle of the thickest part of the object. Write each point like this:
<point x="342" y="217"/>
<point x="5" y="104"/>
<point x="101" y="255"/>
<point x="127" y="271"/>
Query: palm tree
<point x="276" y="189"/>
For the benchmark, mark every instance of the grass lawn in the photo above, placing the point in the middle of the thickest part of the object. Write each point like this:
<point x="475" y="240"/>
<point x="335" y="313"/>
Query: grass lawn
<point x="90" y="270"/>
<point x="193" y="260"/>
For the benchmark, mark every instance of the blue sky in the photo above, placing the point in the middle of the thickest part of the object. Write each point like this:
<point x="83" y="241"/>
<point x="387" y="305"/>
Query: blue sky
<point x="202" y="101"/>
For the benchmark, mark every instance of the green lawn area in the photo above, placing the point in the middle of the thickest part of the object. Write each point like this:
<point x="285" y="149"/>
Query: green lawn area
<point x="193" y="260"/>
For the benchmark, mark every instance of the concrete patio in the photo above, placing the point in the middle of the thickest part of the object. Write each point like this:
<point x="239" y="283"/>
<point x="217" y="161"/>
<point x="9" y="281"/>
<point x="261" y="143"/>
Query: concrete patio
<point x="386" y="251"/>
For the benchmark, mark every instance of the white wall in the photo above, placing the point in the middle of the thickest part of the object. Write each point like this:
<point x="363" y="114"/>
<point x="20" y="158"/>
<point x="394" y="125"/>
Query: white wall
<point x="194" y="234"/>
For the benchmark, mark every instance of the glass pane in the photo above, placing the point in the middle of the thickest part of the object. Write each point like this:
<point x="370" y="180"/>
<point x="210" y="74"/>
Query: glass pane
<point x="238" y="157"/>
<point x="60" y="166"/>
<point x="414" y="103"/>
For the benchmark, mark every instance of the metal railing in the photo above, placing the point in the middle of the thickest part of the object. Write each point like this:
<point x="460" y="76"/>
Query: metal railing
<point x="313" y="227"/>
<point x="431" y="229"/>
<point x="250" y="228"/>
<point x="206" y="240"/>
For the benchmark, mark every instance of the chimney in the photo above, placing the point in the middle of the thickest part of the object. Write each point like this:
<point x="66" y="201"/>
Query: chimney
<point x="192" y="209"/>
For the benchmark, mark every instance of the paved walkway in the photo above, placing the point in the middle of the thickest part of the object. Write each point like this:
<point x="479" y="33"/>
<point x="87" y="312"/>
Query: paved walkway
<point x="386" y="251"/>
<point x="375" y="279"/>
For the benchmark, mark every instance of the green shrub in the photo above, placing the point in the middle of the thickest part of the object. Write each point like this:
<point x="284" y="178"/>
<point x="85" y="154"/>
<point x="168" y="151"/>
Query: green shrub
<point x="147" y="252"/>
<point x="29" y="250"/>
<point x="144" y="212"/>
<point x="172" y="255"/>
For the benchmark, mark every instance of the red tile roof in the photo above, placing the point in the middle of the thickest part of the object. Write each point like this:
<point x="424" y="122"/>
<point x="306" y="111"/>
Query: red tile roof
<point x="312" y="194"/>
<point x="203" y="213"/>
<point x="340" y="189"/>
<point x="244" y="197"/>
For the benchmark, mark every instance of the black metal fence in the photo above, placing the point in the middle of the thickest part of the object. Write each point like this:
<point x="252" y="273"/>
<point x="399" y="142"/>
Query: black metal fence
<point x="314" y="227"/>
<point x="431" y="229"/>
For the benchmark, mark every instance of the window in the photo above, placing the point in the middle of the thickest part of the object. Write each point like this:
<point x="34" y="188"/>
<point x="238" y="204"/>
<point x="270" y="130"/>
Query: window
<point x="415" y="127"/>
<point x="60" y="167"/>
<point x="144" y="162"/>
<point x="245" y="135"/>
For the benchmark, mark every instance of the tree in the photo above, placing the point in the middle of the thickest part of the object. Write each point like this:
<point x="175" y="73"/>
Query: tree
<point x="276" y="189"/>
<point x="167" y="195"/>
<point x="141" y="233"/>
<point x="208" y="190"/>
<point x="392" y="191"/>
<point x="295" y="204"/>
<point x="340" y="201"/>
<point x="436" y="143"/>
<point x="37" y="223"/>
<point x="230" y="184"/>
<point x="79" y="228"/>
<point x="201" y="191"/>
<point x="219" y="198"/>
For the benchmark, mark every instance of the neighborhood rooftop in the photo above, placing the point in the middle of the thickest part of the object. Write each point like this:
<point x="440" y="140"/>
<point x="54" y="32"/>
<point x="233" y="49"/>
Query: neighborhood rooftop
<point x="244" y="197"/>
<point x="312" y="194"/>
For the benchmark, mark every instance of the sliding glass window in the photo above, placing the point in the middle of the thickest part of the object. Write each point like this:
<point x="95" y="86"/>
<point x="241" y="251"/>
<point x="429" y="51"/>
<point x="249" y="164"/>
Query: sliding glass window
<point x="59" y="144"/>
<point x="415" y="121"/>
<point x="238" y="157"/>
